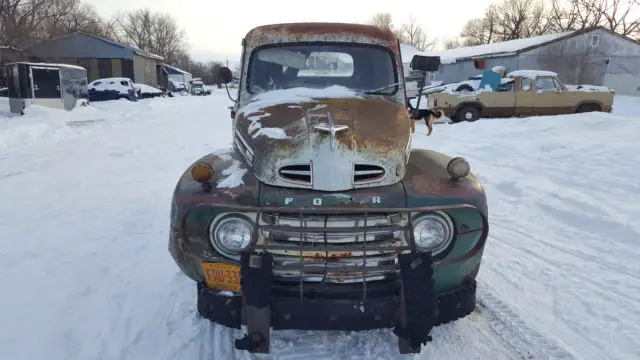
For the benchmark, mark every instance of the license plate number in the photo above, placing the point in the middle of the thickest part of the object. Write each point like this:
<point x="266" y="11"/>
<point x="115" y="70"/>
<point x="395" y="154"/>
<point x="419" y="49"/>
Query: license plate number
<point x="222" y="276"/>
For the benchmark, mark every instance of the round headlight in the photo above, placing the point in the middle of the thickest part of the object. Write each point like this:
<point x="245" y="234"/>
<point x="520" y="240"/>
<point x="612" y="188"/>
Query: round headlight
<point x="231" y="235"/>
<point x="432" y="232"/>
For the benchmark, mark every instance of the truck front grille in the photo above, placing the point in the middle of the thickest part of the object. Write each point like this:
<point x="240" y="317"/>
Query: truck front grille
<point x="333" y="248"/>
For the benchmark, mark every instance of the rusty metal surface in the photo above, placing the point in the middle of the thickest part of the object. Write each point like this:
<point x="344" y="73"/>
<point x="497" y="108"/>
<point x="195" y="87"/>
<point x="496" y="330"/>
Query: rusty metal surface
<point x="276" y="34"/>
<point x="378" y="133"/>
<point x="319" y="28"/>
<point x="222" y="189"/>
<point x="427" y="182"/>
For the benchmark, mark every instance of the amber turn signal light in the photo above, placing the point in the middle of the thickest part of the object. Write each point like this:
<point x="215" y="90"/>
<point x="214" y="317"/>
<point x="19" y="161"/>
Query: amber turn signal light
<point x="201" y="172"/>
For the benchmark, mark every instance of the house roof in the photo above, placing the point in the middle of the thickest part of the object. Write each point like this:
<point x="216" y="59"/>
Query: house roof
<point x="512" y="47"/>
<point x="175" y="69"/>
<point x="5" y="47"/>
<point x="135" y="50"/>
<point x="504" y="48"/>
<point x="407" y="52"/>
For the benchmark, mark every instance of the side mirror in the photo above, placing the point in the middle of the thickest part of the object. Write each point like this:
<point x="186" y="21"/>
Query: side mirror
<point x="225" y="75"/>
<point x="425" y="63"/>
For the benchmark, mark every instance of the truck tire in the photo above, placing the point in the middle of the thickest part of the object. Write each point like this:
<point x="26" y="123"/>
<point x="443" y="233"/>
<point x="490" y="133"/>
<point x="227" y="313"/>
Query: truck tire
<point x="588" y="108"/>
<point x="468" y="113"/>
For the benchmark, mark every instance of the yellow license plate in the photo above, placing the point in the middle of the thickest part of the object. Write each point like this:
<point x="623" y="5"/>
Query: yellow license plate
<point x="222" y="276"/>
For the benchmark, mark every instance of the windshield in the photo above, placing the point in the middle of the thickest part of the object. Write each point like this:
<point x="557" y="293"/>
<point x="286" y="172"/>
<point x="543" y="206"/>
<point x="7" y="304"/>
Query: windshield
<point x="369" y="69"/>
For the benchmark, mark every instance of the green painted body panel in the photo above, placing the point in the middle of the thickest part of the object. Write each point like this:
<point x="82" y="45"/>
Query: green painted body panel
<point x="426" y="183"/>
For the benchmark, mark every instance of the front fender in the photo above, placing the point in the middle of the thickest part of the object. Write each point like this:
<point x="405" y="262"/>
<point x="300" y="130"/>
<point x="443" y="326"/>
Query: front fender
<point x="427" y="183"/>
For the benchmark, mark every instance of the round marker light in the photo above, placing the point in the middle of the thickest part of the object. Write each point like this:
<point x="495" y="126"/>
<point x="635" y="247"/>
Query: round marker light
<point x="201" y="172"/>
<point x="432" y="232"/>
<point x="458" y="168"/>
<point x="231" y="235"/>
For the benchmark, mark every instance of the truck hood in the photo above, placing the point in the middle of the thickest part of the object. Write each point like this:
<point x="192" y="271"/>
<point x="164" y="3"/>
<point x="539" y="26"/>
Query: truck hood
<point x="330" y="144"/>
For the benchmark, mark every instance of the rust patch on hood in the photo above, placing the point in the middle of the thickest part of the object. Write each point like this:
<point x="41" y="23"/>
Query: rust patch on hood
<point x="373" y="123"/>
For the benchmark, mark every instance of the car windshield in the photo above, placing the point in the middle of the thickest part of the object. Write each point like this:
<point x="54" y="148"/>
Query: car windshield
<point x="365" y="68"/>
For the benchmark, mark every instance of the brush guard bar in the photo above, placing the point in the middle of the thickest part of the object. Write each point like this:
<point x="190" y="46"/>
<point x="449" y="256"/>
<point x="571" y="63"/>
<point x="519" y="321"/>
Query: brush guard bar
<point x="417" y="311"/>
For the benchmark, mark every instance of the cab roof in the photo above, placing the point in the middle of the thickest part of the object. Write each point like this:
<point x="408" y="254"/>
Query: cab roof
<point x="326" y="28"/>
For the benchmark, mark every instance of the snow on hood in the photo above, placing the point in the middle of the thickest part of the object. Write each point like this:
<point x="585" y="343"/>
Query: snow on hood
<point x="234" y="175"/>
<point x="294" y="96"/>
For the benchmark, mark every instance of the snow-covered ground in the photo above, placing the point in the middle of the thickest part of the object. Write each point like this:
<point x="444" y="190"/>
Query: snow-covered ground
<point x="84" y="215"/>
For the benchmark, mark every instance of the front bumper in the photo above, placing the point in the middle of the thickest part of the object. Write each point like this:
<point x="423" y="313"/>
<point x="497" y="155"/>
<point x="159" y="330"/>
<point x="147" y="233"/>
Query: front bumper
<point x="323" y="311"/>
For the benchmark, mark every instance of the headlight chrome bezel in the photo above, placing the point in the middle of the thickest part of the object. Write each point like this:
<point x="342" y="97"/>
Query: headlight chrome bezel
<point x="215" y="227"/>
<point x="441" y="218"/>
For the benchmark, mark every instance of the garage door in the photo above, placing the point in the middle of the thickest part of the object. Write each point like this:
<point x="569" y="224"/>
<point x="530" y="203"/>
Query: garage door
<point x="623" y="84"/>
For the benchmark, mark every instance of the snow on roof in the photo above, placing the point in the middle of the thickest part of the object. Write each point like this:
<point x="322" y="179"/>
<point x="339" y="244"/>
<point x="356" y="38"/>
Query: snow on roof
<point x="176" y="69"/>
<point x="407" y="52"/>
<point x="67" y="66"/>
<point x="531" y="74"/>
<point x="8" y="47"/>
<point x="503" y="48"/>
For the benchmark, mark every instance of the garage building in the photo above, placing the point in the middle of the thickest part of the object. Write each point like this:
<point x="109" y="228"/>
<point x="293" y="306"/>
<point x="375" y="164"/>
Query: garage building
<point x="595" y="56"/>
<point x="101" y="57"/>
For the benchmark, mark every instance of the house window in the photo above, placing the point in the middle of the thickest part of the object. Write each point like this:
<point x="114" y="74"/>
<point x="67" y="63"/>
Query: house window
<point x="595" y="40"/>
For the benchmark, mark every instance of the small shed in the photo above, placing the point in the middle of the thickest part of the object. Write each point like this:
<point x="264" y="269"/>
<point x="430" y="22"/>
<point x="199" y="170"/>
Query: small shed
<point x="53" y="85"/>
<point x="103" y="58"/>
<point x="177" y="79"/>
<point x="594" y="56"/>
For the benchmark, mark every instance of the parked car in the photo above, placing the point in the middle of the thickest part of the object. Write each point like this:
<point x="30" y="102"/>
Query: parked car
<point x="145" y="91"/>
<point x="522" y="93"/>
<point x="4" y="92"/>
<point x="198" y="87"/>
<point x="112" y="89"/>
<point x="332" y="222"/>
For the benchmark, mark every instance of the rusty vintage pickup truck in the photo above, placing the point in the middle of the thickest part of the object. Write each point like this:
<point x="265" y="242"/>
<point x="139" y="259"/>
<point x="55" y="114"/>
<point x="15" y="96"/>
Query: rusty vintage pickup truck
<point x="522" y="93"/>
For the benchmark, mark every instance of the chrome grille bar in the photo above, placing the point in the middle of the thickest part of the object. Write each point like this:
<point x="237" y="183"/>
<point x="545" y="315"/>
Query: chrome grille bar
<point x="333" y="248"/>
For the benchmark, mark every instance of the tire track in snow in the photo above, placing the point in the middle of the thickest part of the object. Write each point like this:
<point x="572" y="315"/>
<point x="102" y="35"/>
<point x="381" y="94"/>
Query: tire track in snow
<point x="505" y="323"/>
<point x="493" y="329"/>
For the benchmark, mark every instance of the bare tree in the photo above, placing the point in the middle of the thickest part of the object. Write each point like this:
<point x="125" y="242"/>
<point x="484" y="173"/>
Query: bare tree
<point x="157" y="33"/>
<point x="483" y="30"/>
<point x="515" y="19"/>
<point x="382" y="20"/>
<point x="413" y="34"/>
<point x="19" y="19"/>
<point x="449" y="44"/>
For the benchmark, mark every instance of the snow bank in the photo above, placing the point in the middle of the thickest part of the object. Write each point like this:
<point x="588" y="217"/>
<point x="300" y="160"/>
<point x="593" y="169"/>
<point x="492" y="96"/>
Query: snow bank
<point x="84" y="228"/>
<point x="147" y="89"/>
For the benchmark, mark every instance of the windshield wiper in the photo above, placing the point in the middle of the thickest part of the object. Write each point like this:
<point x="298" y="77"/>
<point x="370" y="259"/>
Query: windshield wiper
<point x="374" y="91"/>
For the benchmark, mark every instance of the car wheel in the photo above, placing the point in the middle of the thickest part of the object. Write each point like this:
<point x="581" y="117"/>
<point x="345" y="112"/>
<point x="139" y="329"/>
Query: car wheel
<point x="468" y="113"/>
<point x="588" y="108"/>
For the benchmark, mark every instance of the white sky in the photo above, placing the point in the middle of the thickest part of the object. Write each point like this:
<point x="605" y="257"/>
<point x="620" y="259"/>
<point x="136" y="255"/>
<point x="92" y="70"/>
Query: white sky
<point x="215" y="29"/>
